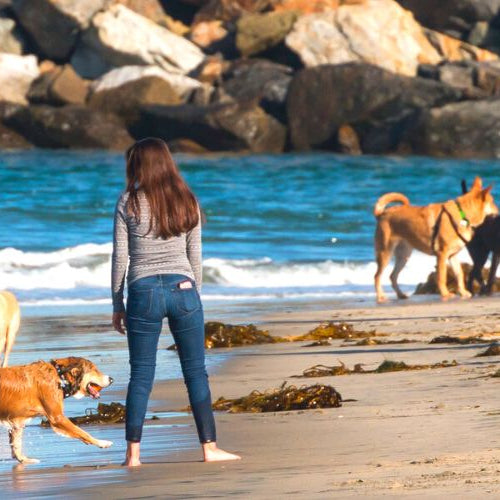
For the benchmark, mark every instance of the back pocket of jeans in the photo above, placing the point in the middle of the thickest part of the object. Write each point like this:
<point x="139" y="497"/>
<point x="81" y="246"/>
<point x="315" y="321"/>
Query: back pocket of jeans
<point x="139" y="302"/>
<point x="188" y="299"/>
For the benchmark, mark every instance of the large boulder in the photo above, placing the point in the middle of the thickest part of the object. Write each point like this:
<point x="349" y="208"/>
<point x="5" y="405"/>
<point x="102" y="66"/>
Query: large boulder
<point x="456" y="17"/>
<point x="462" y="130"/>
<point x="218" y="127"/>
<point x="152" y="9"/>
<point x="16" y="75"/>
<point x="68" y="127"/>
<point x="259" y="32"/>
<point x="308" y="6"/>
<point x="58" y="86"/>
<point x="55" y="25"/>
<point x="11" y="39"/>
<point x="229" y="10"/>
<point x="126" y="100"/>
<point x="377" y="32"/>
<point x="378" y="104"/>
<point x="260" y="82"/>
<point x="120" y="37"/>
<point x="183" y="86"/>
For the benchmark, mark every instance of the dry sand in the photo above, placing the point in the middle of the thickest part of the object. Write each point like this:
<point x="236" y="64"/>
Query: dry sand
<point x="425" y="434"/>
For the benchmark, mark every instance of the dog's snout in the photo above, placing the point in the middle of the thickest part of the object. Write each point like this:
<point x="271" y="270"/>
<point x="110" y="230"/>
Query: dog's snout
<point x="111" y="380"/>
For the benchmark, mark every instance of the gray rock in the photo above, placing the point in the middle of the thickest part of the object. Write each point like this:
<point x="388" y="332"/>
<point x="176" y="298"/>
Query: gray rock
<point x="219" y="127"/>
<point x="120" y="37"/>
<point x="55" y="25"/>
<point x="452" y="15"/>
<point x="260" y="81"/>
<point x="11" y="39"/>
<point x="68" y="127"/>
<point x="378" y="104"/>
<point x="461" y="130"/>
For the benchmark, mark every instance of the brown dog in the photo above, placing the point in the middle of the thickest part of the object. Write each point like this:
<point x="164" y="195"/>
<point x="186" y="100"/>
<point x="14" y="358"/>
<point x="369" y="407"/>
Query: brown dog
<point x="440" y="229"/>
<point x="39" y="389"/>
<point x="10" y="318"/>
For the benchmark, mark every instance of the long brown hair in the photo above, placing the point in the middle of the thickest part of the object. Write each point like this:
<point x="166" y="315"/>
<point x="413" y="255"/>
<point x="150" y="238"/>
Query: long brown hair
<point x="152" y="170"/>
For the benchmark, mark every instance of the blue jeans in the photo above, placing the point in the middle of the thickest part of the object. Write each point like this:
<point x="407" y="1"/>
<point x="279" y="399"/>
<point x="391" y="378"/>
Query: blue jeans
<point x="149" y="300"/>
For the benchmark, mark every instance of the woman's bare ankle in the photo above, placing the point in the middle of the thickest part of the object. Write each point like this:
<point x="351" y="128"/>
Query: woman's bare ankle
<point x="132" y="457"/>
<point x="213" y="454"/>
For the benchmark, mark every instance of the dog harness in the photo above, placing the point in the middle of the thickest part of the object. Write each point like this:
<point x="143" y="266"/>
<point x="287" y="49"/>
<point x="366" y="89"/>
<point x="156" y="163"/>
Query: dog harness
<point x="64" y="384"/>
<point x="464" y="221"/>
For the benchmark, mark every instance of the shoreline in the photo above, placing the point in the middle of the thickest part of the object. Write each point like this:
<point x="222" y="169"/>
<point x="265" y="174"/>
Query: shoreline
<point x="427" y="433"/>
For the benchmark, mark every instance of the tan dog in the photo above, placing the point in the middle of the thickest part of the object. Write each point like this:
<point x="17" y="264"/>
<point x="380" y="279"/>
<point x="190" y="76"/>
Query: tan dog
<point x="440" y="229"/>
<point x="10" y="318"/>
<point x="39" y="389"/>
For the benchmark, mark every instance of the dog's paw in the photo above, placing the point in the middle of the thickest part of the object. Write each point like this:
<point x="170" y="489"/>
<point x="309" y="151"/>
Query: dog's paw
<point x="26" y="460"/>
<point x="465" y="294"/>
<point x="102" y="443"/>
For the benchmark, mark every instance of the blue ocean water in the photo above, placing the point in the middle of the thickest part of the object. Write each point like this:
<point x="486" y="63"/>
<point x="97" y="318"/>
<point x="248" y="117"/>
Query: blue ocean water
<point x="278" y="226"/>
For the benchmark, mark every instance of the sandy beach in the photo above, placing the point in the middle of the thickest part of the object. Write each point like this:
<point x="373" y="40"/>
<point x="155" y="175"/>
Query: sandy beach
<point x="426" y="433"/>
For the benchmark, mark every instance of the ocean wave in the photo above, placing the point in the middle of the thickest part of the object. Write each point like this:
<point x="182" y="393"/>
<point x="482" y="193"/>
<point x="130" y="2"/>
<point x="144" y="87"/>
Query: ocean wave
<point x="88" y="266"/>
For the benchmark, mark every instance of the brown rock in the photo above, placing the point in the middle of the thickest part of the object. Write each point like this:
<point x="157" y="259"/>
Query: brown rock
<point x="306" y="6"/>
<point x="68" y="87"/>
<point x="12" y="140"/>
<point x="127" y="99"/>
<point x="378" y="104"/>
<point x="348" y="141"/>
<point x="218" y="127"/>
<point x="259" y="32"/>
<point x="229" y="10"/>
<point x="451" y="49"/>
<point x="459" y="130"/>
<point x="206" y="33"/>
<point x="68" y="127"/>
<point x="186" y="146"/>
<point x="152" y="9"/>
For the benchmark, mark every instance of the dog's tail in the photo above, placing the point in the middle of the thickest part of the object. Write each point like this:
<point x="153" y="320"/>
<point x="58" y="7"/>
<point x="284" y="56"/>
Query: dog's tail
<point x="387" y="198"/>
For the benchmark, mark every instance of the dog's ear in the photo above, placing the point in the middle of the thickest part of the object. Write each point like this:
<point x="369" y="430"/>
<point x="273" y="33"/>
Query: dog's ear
<point x="477" y="184"/>
<point x="486" y="191"/>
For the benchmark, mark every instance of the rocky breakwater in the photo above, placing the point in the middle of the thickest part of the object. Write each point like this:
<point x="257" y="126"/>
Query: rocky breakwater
<point x="350" y="76"/>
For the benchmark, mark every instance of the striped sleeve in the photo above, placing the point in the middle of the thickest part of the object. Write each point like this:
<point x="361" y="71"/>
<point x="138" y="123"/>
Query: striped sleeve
<point x="119" y="260"/>
<point x="193" y="250"/>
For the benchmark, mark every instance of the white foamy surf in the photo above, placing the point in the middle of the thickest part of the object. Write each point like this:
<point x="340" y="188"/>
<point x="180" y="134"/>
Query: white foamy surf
<point x="80" y="275"/>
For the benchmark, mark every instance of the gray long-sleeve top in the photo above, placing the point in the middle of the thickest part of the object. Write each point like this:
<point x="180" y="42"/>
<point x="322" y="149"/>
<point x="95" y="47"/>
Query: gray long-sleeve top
<point x="147" y="255"/>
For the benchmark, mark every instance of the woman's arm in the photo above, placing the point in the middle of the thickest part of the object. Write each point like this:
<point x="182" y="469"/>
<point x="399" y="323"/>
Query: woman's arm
<point x="119" y="260"/>
<point x="193" y="249"/>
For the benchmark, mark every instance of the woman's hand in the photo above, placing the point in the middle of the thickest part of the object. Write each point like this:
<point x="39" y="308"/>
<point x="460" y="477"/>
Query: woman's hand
<point x="119" y="322"/>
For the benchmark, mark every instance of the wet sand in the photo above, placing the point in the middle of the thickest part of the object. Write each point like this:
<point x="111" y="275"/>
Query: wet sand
<point x="426" y="434"/>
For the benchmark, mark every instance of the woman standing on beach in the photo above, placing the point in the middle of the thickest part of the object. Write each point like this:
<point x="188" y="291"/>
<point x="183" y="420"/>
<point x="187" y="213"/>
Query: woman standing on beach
<point x="157" y="231"/>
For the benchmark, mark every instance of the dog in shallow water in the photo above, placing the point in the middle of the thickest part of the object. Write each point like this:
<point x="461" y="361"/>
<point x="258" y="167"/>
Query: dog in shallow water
<point x="10" y="318"/>
<point x="440" y="229"/>
<point x="486" y="240"/>
<point x="39" y="389"/>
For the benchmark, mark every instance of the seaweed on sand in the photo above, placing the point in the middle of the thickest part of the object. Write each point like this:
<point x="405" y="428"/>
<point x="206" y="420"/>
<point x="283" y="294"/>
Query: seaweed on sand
<point x="223" y="335"/>
<point x="318" y="343"/>
<point x="370" y="341"/>
<point x="112" y="413"/>
<point x="332" y="330"/>
<point x="493" y="350"/>
<point x="386" y="366"/>
<point x="446" y="339"/>
<point x="287" y="397"/>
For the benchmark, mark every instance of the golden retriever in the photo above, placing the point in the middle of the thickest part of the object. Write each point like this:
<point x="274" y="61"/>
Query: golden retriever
<point x="10" y="318"/>
<point x="39" y="389"/>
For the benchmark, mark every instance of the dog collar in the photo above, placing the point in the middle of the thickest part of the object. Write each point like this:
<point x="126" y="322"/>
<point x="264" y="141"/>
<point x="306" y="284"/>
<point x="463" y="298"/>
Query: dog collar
<point x="64" y="383"/>
<point x="464" y="221"/>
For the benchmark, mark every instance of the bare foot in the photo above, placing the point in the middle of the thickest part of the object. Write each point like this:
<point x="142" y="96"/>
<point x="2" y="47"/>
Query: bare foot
<point x="129" y="462"/>
<point x="132" y="458"/>
<point x="213" y="454"/>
